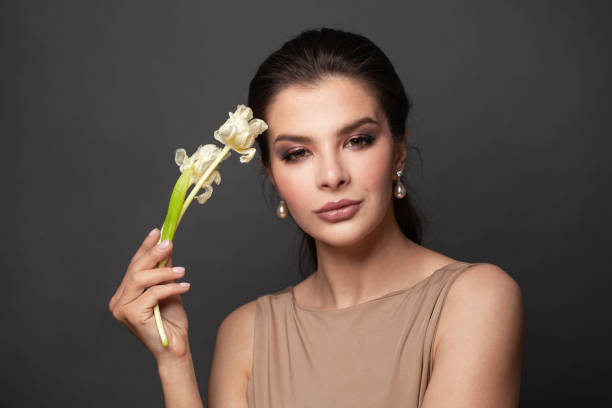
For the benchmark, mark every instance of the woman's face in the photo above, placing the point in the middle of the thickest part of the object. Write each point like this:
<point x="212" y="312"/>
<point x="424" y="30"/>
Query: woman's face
<point x="330" y="142"/>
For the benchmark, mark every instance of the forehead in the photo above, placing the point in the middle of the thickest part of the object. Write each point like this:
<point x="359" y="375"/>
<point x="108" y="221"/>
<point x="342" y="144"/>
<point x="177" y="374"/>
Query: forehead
<point x="322" y="107"/>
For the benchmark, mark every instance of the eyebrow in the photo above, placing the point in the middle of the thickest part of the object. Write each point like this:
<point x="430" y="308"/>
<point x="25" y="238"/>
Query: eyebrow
<point x="346" y="129"/>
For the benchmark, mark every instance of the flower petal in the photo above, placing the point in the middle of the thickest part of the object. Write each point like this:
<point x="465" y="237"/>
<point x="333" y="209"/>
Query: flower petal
<point x="257" y="127"/>
<point x="248" y="156"/>
<point x="205" y="195"/>
<point x="216" y="177"/>
<point x="244" y="112"/>
<point x="179" y="156"/>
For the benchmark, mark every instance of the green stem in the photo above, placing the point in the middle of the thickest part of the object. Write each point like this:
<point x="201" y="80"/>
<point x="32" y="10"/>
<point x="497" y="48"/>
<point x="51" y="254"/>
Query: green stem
<point x="167" y="232"/>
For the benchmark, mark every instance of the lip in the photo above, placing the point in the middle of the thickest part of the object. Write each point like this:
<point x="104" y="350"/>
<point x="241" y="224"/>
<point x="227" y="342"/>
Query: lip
<point x="332" y="205"/>
<point x="338" y="210"/>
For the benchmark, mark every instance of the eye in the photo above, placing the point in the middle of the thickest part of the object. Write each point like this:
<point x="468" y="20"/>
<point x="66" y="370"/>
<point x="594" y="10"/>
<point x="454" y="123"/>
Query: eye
<point x="293" y="155"/>
<point x="357" y="141"/>
<point x="361" y="140"/>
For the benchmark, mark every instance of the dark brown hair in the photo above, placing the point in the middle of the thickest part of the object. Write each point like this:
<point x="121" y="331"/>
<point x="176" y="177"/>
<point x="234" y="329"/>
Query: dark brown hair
<point x="308" y="58"/>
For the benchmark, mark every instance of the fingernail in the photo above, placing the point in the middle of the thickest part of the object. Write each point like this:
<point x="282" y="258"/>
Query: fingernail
<point x="178" y="269"/>
<point x="164" y="244"/>
<point x="152" y="231"/>
<point x="186" y="284"/>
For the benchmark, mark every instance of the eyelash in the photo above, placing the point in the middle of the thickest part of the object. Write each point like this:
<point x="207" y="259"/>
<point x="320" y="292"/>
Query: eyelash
<point x="291" y="157"/>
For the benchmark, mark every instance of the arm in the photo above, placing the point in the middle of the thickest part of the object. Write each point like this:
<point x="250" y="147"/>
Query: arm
<point x="179" y="383"/>
<point x="143" y="286"/>
<point x="231" y="362"/>
<point x="478" y="358"/>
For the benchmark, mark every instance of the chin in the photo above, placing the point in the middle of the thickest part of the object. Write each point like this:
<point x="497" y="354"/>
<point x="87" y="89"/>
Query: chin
<point x="343" y="234"/>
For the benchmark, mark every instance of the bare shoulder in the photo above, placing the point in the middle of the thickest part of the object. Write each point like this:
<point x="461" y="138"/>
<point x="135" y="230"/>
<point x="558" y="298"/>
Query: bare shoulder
<point x="487" y="287"/>
<point x="232" y="357"/>
<point x="482" y="283"/>
<point x="483" y="289"/>
<point x="479" y="340"/>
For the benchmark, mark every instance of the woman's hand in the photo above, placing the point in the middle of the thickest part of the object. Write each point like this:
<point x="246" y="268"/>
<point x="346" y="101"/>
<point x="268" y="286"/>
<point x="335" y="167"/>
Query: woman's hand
<point x="143" y="286"/>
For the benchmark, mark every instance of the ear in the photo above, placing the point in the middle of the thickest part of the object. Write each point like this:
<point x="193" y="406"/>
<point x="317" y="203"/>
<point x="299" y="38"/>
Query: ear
<point x="268" y="171"/>
<point x="399" y="154"/>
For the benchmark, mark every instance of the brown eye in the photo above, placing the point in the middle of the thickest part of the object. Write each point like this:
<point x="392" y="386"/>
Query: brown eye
<point x="293" y="156"/>
<point x="362" y="140"/>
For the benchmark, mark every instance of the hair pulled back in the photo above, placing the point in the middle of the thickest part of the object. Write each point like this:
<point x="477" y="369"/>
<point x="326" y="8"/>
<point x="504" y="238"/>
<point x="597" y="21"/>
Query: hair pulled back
<point x="310" y="57"/>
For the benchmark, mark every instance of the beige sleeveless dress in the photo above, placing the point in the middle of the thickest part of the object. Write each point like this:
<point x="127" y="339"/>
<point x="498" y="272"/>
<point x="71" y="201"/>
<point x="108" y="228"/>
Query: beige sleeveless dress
<point x="373" y="354"/>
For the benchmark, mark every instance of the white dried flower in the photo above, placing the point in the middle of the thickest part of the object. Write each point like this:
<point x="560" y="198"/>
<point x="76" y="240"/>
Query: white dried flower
<point x="199" y="162"/>
<point x="240" y="130"/>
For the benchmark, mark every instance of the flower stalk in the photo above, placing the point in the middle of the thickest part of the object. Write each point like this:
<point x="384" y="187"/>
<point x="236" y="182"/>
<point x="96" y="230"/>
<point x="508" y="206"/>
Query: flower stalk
<point x="167" y="232"/>
<point x="237" y="133"/>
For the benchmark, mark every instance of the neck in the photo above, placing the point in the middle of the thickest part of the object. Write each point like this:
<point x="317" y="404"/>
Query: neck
<point x="365" y="270"/>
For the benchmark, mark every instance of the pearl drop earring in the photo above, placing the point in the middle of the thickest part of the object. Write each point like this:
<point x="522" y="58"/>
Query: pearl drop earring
<point x="281" y="210"/>
<point x="399" y="191"/>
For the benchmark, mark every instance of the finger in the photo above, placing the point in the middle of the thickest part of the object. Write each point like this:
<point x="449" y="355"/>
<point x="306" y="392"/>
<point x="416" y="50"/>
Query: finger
<point x="140" y="280"/>
<point x="155" y="294"/>
<point x="150" y="240"/>
<point x="153" y="256"/>
<point x="148" y="243"/>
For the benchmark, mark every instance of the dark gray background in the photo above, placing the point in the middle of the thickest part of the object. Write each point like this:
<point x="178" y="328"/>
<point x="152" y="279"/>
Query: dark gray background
<point x="511" y="113"/>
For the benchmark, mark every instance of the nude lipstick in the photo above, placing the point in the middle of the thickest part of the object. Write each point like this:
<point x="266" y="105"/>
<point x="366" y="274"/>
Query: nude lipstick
<point x="340" y="210"/>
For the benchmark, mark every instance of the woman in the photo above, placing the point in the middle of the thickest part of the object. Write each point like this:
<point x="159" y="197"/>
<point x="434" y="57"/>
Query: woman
<point x="367" y="327"/>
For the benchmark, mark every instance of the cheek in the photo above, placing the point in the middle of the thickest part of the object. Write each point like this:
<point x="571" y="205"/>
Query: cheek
<point x="296" y="188"/>
<point x="293" y="188"/>
<point x="293" y="182"/>
<point x="373" y="171"/>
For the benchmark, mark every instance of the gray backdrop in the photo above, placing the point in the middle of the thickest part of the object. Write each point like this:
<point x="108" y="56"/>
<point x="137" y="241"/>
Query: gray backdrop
<point x="511" y="114"/>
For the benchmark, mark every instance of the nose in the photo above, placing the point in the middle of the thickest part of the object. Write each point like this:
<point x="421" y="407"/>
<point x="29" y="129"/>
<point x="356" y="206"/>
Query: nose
<point x="331" y="172"/>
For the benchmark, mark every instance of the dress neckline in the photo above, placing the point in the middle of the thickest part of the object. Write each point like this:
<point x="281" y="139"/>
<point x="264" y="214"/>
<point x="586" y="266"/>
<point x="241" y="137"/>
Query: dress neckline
<point x="385" y="296"/>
